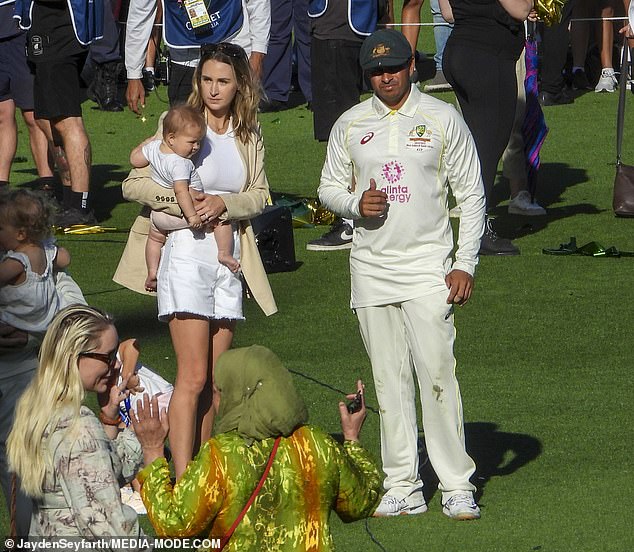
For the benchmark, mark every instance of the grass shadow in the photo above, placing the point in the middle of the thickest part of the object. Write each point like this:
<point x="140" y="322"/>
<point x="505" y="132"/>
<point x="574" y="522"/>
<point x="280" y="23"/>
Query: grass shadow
<point x="495" y="453"/>
<point x="106" y="198"/>
<point x="140" y="320"/>
<point x="554" y="180"/>
<point x="103" y="198"/>
<point x="498" y="453"/>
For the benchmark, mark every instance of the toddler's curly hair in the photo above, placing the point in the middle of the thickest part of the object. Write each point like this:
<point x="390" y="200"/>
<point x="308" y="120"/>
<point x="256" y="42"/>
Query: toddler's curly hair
<point x="28" y="210"/>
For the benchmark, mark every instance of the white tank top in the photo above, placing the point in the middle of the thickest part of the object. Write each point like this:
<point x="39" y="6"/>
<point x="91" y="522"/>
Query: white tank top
<point x="219" y="164"/>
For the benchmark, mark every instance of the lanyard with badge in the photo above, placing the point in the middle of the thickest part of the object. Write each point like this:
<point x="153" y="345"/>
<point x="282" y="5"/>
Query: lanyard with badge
<point x="198" y="16"/>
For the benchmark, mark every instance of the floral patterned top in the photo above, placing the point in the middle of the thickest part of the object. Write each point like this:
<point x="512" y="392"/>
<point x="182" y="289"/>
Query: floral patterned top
<point x="310" y="476"/>
<point x="82" y="490"/>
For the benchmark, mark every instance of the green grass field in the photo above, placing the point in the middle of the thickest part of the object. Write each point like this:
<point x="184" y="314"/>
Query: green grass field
<point x="542" y="348"/>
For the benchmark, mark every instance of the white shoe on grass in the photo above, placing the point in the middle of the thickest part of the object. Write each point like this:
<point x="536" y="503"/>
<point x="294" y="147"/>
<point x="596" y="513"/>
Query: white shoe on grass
<point x="461" y="507"/>
<point x="521" y="204"/>
<point x="607" y="82"/>
<point x="392" y="506"/>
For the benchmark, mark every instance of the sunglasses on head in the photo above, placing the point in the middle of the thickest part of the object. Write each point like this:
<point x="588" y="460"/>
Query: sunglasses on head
<point x="109" y="358"/>
<point x="231" y="50"/>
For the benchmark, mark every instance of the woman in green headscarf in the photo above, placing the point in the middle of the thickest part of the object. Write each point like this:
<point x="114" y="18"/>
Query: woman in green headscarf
<point x="310" y="473"/>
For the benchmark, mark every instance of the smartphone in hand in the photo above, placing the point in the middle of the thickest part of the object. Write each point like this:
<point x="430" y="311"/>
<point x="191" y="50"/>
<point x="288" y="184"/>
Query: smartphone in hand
<point x="355" y="404"/>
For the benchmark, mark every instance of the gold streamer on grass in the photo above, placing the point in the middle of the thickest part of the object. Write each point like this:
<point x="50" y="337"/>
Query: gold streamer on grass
<point x="81" y="229"/>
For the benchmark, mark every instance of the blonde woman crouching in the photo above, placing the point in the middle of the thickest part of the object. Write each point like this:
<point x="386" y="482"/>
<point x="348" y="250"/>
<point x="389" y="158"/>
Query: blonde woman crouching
<point x="69" y="461"/>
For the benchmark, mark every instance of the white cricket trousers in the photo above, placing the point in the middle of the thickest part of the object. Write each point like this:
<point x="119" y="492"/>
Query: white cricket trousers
<point x="419" y="332"/>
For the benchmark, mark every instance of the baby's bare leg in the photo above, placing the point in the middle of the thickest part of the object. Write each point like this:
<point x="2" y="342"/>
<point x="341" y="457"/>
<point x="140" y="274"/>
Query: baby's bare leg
<point x="161" y="225"/>
<point x="224" y="240"/>
<point x="155" y="241"/>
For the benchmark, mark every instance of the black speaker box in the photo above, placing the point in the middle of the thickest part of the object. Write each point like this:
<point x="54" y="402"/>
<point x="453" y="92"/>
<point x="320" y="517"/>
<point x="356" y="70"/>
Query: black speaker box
<point x="273" y="230"/>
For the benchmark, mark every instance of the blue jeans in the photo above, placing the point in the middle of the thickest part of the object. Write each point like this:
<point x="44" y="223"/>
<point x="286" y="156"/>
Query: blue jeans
<point x="442" y="30"/>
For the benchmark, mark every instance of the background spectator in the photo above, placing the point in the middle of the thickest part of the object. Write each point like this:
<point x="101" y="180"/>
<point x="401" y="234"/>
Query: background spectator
<point x="58" y="62"/>
<point x="290" y="39"/>
<point x="484" y="46"/>
<point x="16" y="90"/>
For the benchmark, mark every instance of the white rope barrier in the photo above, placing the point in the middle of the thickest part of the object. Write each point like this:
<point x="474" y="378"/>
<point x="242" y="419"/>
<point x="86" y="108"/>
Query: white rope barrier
<point x="599" y="19"/>
<point x="445" y="23"/>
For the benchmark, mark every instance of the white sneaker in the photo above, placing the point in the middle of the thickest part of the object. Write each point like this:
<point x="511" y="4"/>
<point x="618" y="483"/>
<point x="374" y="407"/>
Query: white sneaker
<point x="391" y="506"/>
<point x="607" y="82"/>
<point x="461" y="507"/>
<point x="521" y="204"/>
<point x="126" y="493"/>
<point x="132" y="498"/>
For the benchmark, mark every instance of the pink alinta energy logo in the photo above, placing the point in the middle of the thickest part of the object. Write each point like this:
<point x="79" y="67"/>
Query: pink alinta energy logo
<point x="392" y="171"/>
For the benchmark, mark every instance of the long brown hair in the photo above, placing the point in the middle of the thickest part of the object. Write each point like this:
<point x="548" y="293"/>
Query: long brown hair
<point x="244" y="108"/>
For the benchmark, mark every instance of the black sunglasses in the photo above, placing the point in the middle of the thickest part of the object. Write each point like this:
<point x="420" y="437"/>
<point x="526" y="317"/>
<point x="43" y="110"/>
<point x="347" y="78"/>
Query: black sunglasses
<point x="231" y="50"/>
<point x="109" y="358"/>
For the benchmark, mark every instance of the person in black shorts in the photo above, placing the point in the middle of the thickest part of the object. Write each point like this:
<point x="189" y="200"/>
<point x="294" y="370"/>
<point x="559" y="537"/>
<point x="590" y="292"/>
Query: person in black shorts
<point x="16" y="90"/>
<point x="57" y="55"/>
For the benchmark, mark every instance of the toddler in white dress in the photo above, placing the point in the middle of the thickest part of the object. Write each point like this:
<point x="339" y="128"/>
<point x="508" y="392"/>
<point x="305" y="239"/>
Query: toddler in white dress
<point x="28" y="259"/>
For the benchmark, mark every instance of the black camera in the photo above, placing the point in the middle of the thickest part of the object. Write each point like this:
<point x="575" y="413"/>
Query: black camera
<point x="162" y="73"/>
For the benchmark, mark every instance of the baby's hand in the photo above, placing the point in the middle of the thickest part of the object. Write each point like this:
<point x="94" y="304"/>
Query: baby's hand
<point x="195" y="222"/>
<point x="134" y="384"/>
<point x="116" y="394"/>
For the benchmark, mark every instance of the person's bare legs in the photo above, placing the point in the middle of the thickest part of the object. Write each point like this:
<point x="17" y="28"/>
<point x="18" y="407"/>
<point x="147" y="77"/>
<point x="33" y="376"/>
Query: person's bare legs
<point x="191" y="341"/>
<point x="410" y="16"/>
<point x="608" y="82"/>
<point x="39" y="145"/>
<point x="222" y="336"/>
<point x="77" y="149"/>
<point x="8" y="138"/>
<point x="607" y="38"/>
<point x="153" y="246"/>
<point x="224" y="240"/>
<point x="56" y="147"/>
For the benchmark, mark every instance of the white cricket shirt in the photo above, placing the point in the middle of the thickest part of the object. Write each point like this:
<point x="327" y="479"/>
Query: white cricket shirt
<point x="414" y="154"/>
